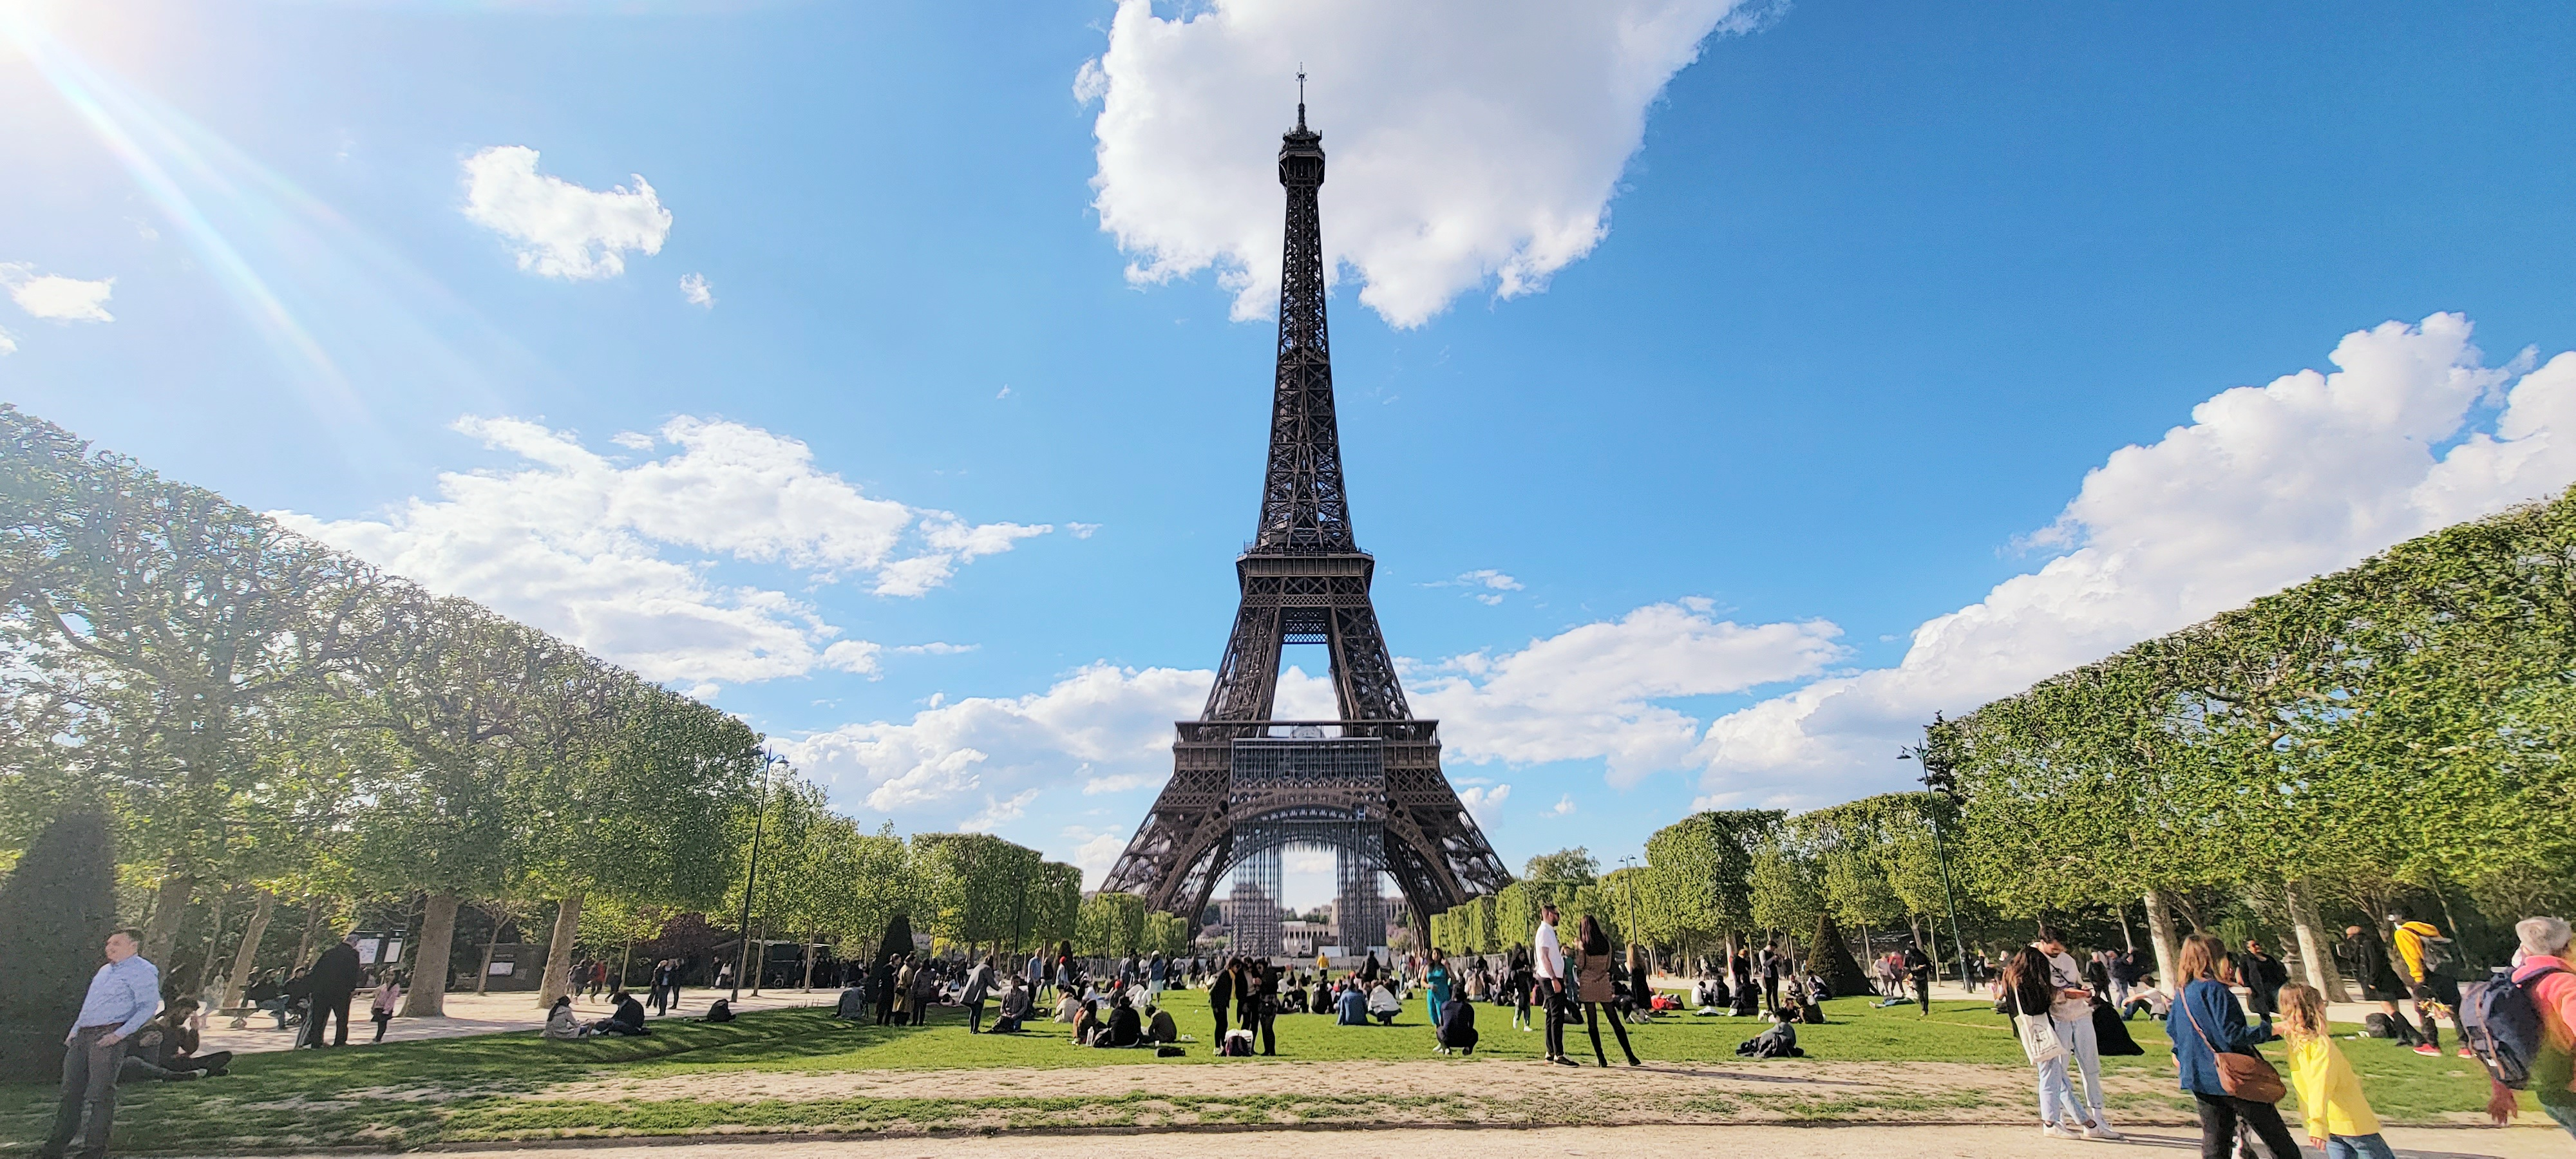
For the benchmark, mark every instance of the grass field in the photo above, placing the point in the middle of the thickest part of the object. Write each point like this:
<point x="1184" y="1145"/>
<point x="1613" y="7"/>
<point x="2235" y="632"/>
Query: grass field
<point x="497" y="1086"/>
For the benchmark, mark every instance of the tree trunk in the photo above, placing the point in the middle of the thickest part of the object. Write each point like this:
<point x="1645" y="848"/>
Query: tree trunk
<point x="559" y="952"/>
<point x="427" y="997"/>
<point x="169" y="904"/>
<point x="211" y="973"/>
<point x="809" y="959"/>
<point x="2316" y="950"/>
<point x="248" y="955"/>
<point x="2160" y="930"/>
<point x="312" y="922"/>
<point x="2126" y="942"/>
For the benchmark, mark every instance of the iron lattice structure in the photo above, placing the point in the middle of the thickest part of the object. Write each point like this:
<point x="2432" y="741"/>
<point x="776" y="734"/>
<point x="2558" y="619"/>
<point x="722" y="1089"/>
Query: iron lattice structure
<point x="1245" y="784"/>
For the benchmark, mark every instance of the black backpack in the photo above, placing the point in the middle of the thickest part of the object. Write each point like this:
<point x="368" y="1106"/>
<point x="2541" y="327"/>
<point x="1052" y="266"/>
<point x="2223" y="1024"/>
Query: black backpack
<point x="2500" y="1019"/>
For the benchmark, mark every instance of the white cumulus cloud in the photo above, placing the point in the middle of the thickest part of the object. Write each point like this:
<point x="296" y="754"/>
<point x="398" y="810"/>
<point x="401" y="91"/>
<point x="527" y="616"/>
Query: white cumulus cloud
<point x="2263" y="488"/>
<point x="1593" y="691"/>
<point x="617" y="556"/>
<point x="563" y="230"/>
<point x="695" y="289"/>
<point x="56" y="298"/>
<point x="1469" y="142"/>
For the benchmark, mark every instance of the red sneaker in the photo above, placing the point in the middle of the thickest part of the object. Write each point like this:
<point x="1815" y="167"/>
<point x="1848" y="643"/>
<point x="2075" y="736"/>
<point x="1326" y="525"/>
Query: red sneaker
<point x="2428" y="1050"/>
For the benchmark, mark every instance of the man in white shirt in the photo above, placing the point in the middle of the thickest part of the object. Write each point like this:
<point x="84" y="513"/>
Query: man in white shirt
<point x="2072" y="1012"/>
<point x="1549" y="961"/>
<point x="123" y="995"/>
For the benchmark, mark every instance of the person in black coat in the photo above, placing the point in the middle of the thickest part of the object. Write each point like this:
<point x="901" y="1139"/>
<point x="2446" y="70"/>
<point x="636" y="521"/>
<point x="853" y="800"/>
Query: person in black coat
<point x="628" y="1018"/>
<point x="333" y="979"/>
<point x="1221" y="994"/>
<point x="2263" y="976"/>
<point x="1457" y="1028"/>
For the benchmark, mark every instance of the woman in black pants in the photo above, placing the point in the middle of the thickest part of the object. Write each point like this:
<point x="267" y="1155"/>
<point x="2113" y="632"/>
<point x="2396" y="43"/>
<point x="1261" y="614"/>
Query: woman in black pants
<point x="1260" y="1003"/>
<point x="1592" y="988"/>
<point x="2207" y="1022"/>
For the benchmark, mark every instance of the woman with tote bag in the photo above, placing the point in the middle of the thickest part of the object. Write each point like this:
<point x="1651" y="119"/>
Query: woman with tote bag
<point x="2027" y="995"/>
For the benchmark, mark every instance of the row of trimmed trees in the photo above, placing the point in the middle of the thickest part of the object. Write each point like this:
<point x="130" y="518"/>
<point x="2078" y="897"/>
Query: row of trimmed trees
<point x="270" y="726"/>
<point x="2392" y="737"/>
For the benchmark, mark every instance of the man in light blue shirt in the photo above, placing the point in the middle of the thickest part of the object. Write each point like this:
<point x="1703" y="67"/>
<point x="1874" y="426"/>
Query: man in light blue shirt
<point x="123" y="995"/>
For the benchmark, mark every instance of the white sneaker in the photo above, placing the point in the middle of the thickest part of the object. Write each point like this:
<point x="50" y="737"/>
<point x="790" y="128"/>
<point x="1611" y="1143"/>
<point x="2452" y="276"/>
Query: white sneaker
<point x="2103" y="1132"/>
<point x="2054" y="1131"/>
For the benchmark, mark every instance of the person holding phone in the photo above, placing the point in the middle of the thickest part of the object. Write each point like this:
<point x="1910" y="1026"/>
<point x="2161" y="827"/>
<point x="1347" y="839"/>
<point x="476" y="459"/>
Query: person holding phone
<point x="2071" y="1012"/>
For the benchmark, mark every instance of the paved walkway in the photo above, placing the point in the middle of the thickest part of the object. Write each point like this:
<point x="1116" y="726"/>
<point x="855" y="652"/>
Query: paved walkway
<point x="481" y="1014"/>
<point x="1483" y="1143"/>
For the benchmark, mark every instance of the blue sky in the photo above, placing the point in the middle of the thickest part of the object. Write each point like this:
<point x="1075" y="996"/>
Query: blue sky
<point x="1766" y="378"/>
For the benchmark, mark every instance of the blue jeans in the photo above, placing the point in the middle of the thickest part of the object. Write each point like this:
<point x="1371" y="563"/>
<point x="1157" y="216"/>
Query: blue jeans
<point x="2357" y="1147"/>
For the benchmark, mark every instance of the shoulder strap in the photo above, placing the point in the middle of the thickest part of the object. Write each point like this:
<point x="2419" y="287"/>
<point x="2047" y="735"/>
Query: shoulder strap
<point x="2184" y="1000"/>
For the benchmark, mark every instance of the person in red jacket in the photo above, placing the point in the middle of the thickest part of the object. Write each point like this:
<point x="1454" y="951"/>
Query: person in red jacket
<point x="2553" y="1074"/>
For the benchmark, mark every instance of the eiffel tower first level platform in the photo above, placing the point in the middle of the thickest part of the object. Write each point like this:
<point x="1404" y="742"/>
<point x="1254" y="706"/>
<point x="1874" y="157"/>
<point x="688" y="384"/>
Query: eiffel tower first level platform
<point x="1367" y="784"/>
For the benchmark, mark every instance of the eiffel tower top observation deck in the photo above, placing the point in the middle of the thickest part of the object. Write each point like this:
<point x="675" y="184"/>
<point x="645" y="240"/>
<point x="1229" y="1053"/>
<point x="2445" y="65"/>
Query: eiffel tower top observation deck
<point x="1367" y="784"/>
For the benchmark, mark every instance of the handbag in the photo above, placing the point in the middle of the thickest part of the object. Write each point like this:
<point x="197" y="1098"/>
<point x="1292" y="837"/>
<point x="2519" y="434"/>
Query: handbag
<point x="2039" y="1039"/>
<point x="2244" y="1076"/>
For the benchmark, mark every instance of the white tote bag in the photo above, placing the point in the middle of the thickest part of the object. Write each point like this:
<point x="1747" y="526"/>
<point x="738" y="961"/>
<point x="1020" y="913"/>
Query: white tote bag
<point x="2039" y="1039"/>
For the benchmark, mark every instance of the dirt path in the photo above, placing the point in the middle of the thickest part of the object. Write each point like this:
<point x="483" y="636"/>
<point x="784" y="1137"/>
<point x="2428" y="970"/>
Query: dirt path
<point x="1770" y="1142"/>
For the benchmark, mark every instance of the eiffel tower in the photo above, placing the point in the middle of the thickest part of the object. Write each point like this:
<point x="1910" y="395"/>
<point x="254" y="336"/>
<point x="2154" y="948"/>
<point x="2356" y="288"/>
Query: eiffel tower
<point x="1368" y="785"/>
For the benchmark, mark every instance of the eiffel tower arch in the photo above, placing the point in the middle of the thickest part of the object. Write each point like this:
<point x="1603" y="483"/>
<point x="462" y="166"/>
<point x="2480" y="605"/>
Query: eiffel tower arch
<point x="1367" y="784"/>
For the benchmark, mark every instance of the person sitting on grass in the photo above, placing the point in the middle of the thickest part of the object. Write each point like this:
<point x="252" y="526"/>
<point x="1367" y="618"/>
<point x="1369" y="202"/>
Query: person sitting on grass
<point x="628" y="1018"/>
<point x="2149" y="999"/>
<point x="165" y="1048"/>
<point x="1124" y="1028"/>
<point x="1747" y="1001"/>
<point x="1781" y="1041"/>
<point x="1350" y="1007"/>
<point x="1014" y="1009"/>
<point x="1160" y="1028"/>
<point x="1086" y="1026"/>
<point x="561" y="1022"/>
<point x="1384" y="1005"/>
<point x="1068" y="1006"/>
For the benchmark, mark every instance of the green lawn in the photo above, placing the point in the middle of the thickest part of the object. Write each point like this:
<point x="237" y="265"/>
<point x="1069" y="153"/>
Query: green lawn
<point x="408" y="1094"/>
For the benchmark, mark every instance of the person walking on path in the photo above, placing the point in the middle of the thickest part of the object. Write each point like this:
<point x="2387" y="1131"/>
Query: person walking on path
<point x="123" y="995"/>
<point x="1549" y="961"/>
<point x="2422" y="955"/>
<point x="335" y="977"/>
<point x="1918" y="970"/>
<point x="2367" y="962"/>
<point x="2029" y="997"/>
<point x="2207" y="1022"/>
<point x="2541" y="968"/>
<point x="2071" y="1009"/>
<point x="1593" y="989"/>
<point x="2339" y="1119"/>
<point x="979" y="980"/>
<point x="388" y="998"/>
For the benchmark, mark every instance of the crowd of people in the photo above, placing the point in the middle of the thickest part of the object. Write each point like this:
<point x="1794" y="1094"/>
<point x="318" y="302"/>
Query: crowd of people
<point x="2067" y="1012"/>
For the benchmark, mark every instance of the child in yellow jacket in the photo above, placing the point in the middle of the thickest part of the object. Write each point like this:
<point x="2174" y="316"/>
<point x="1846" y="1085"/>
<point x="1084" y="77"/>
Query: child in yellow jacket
<point x="2339" y="1118"/>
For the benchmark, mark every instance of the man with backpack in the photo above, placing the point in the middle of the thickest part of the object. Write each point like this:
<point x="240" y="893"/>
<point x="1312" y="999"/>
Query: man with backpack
<point x="2524" y="1025"/>
<point x="2422" y="956"/>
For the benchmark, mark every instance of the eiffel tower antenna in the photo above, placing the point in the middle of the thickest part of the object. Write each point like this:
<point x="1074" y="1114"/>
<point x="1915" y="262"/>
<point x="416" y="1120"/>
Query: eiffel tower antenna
<point x="1367" y="784"/>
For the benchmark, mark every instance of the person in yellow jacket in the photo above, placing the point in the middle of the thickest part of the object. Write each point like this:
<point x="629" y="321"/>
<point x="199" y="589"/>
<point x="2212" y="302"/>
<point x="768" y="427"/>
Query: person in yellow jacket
<point x="2339" y="1118"/>
<point x="2423" y="959"/>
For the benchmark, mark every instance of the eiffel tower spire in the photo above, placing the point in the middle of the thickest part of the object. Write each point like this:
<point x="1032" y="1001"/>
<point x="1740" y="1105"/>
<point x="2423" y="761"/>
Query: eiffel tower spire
<point x="1244" y="784"/>
<point x="1303" y="509"/>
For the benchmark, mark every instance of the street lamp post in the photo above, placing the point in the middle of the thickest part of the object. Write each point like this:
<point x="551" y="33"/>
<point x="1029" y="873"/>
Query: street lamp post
<point x="751" y="875"/>
<point x="1937" y="779"/>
